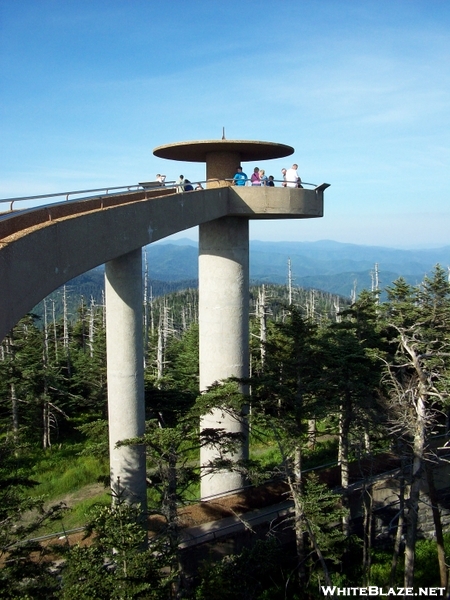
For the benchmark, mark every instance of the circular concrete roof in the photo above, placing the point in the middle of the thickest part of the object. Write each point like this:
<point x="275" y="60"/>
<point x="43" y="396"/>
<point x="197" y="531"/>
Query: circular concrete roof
<point x="198" y="150"/>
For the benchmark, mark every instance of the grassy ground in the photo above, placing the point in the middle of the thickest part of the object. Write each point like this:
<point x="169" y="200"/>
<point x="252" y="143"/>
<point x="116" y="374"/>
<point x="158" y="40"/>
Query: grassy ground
<point x="64" y="476"/>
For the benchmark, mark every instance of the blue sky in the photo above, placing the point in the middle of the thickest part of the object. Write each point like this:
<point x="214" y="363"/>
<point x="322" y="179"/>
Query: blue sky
<point x="360" y="89"/>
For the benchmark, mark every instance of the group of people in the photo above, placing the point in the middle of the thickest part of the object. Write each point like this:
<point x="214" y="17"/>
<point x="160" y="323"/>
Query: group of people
<point x="258" y="177"/>
<point x="183" y="184"/>
<point x="291" y="178"/>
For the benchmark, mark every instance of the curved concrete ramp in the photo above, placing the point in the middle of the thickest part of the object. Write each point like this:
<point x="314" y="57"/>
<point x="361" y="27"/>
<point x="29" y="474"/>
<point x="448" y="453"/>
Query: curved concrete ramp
<point x="43" y="248"/>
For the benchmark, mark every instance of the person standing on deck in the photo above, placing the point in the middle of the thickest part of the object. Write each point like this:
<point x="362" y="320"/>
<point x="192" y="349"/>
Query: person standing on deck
<point x="255" y="178"/>
<point x="292" y="177"/>
<point x="240" y="178"/>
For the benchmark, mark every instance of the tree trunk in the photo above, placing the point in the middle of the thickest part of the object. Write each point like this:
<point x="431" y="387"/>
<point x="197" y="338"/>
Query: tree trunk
<point x="289" y="282"/>
<point x="262" y="325"/>
<point x="46" y="344"/>
<point x="400" y="523"/>
<point x="66" y="330"/>
<point x="55" y="333"/>
<point x="46" y="443"/>
<point x="337" y="309"/>
<point x="367" y="444"/>
<point x="160" y="353"/>
<point x="344" y="430"/>
<point x="412" y="516"/>
<point x="312" y="433"/>
<point x="296" y="490"/>
<point x="8" y="351"/>
<point x="91" y="327"/>
<point x="368" y="521"/>
<point x="443" y="571"/>
<point x="311" y="304"/>
<point x="152" y="313"/>
<point x="145" y="308"/>
<point x="82" y="319"/>
<point x="14" y="413"/>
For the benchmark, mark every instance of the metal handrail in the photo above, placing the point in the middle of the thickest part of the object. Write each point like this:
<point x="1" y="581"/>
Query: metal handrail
<point x="154" y="185"/>
<point x="67" y="194"/>
<point x="280" y="181"/>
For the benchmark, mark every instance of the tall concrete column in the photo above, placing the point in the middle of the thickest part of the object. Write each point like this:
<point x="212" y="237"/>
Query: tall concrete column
<point x="224" y="332"/>
<point x="125" y="372"/>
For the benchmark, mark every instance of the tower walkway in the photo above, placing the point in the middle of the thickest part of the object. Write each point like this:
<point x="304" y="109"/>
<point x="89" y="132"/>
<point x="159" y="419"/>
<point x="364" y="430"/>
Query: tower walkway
<point x="43" y="248"/>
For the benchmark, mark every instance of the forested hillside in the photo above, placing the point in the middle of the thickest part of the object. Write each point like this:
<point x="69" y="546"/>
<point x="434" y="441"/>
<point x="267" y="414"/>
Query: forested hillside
<point x="336" y="268"/>
<point x="89" y="289"/>
<point x="332" y="382"/>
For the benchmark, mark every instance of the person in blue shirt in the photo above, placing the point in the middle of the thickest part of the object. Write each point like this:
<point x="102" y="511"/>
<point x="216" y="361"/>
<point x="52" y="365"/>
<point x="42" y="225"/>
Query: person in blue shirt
<point x="240" y="178"/>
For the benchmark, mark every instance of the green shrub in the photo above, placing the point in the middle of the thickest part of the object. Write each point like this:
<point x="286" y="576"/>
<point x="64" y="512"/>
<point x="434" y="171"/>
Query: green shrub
<point x="426" y="569"/>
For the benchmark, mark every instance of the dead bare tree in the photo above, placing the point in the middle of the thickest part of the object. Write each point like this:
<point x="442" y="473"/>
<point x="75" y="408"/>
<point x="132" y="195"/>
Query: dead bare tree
<point x="418" y="323"/>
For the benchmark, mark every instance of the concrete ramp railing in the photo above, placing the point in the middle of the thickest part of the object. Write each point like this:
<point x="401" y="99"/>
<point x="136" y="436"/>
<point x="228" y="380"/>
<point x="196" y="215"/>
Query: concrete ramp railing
<point x="43" y="248"/>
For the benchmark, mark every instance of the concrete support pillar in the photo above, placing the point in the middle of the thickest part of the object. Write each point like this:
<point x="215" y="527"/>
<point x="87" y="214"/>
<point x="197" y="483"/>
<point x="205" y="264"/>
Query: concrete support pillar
<point x="221" y="166"/>
<point x="224" y="330"/>
<point x="125" y="372"/>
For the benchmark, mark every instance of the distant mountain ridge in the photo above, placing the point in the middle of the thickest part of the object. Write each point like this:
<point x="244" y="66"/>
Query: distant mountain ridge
<point x="327" y="265"/>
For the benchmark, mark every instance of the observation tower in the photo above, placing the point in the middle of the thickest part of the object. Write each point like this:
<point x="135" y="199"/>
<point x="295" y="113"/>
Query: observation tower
<point x="224" y="275"/>
<point x="44" y="247"/>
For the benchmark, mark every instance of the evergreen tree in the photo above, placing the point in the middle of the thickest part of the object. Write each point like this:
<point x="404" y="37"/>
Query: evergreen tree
<point x="26" y="568"/>
<point x="38" y="384"/>
<point x="349" y="381"/>
<point x="114" y="565"/>
<point x="87" y="383"/>
<point x="173" y="441"/>
<point x="285" y="396"/>
<point x="417" y="374"/>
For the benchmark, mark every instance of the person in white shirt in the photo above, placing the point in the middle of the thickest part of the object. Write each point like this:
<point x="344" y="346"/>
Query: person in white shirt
<point x="180" y="184"/>
<point x="292" y="177"/>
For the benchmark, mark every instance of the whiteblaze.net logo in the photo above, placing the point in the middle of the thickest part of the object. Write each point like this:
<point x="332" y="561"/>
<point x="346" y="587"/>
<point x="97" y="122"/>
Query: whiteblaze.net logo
<point x="374" y="590"/>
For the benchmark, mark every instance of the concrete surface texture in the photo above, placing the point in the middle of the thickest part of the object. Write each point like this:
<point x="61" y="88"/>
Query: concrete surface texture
<point x="224" y="334"/>
<point x="198" y="151"/>
<point x="125" y="376"/>
<point x="41" y="249"/>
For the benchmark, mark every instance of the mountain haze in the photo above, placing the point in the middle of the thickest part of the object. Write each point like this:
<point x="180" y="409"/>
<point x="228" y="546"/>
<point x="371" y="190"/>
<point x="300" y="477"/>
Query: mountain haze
<point x="326" y="265"/>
